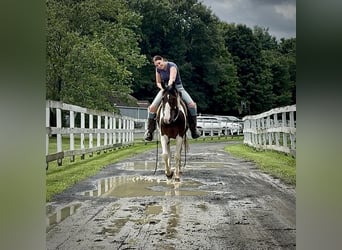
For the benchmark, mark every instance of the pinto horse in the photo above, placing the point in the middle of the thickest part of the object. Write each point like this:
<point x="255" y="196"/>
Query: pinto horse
<point x="172" y="124"/>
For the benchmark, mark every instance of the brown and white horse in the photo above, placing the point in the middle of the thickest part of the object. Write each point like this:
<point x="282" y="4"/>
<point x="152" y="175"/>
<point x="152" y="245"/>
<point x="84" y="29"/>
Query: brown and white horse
<point x="172" y="124"/>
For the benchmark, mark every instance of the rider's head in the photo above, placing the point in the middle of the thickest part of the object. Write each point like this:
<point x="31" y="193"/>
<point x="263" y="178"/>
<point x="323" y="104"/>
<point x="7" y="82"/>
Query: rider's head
<point x="159" y="62"/>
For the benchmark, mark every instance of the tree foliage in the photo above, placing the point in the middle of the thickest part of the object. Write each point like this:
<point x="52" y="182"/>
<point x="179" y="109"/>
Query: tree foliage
<point x="99" y="52"/>
<point x="263" y="68"/>
<point x="91" y="47"/>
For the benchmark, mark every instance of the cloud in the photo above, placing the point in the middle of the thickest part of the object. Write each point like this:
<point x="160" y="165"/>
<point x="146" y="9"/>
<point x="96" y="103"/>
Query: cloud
<point x="278" y="16"/>
<point x="288" y="11"/>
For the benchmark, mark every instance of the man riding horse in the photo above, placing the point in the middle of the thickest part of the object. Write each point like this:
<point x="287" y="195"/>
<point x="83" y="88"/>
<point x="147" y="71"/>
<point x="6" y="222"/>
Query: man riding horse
<point x="167" y="72"/>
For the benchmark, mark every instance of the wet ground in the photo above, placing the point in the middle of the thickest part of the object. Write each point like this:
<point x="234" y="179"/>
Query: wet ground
<point x="221" y="202"/>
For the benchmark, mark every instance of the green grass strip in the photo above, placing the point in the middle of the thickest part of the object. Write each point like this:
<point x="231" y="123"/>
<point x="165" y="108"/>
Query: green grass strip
<point x="276" y="164"/>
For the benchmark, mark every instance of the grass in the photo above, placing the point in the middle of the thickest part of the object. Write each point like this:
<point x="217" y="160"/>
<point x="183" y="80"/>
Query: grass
<point x="59" y="178"/>
<point x="277" y="164"/>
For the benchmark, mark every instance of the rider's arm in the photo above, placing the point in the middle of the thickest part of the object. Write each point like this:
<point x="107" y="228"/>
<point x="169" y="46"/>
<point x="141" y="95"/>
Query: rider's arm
<point x="173" y="74"/>
<point x="158" y="80"/>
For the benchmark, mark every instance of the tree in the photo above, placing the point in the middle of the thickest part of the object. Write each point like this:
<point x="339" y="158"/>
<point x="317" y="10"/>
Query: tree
<point x="246" y="51"/>
<point x="287" y="48"/>
<point x="91" y="48"/>
<point x="266" y="69"/>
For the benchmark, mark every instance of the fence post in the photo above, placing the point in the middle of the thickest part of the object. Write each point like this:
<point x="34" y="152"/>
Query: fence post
<point x="82" y="133"/>
<point x="114" y="132"/>
<point x="105" y="134"/>
<point x="90" y="133"/>
<point x="120" y="133"/>
<point x="59" y="136"/>
<point x="283" y="118"/>
<point x="98" y="138"/>
<point x="72" y="138"/>
<point x="47" y="125"/>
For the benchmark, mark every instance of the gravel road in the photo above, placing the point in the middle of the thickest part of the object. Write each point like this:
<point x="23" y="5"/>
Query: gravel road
<point x="221" y="202"/>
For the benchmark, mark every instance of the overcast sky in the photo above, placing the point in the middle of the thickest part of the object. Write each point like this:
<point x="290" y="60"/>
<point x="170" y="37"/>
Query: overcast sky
<point x="279" y="16"/>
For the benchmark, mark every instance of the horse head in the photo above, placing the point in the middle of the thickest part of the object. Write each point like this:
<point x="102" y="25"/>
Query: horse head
<point x="170" y="104"/>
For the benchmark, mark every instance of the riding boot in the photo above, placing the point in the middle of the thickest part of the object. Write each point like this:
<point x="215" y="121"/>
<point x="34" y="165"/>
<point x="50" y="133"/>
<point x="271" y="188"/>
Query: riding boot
<point x="193" y="126"/>
<point x="151" y="126"/>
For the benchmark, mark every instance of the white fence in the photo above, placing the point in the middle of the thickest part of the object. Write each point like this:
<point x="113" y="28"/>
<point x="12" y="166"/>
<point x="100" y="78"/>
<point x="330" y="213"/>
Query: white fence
<point x="81" y="131"/>
<point x="274" y="129"/>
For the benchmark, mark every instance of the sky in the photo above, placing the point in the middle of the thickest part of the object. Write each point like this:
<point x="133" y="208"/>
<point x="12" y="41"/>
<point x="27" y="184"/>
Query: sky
<point x="279" y="16"/>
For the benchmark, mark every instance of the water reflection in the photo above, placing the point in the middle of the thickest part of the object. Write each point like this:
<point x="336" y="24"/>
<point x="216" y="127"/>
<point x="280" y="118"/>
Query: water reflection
<point x="139" y="165"/>
<point x="138" y="186"/>
<point x="60" y="214"/>
<point x="171" y="228"/>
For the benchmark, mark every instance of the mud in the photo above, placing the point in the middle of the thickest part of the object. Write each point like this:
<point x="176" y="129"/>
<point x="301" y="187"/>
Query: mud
<point x="221" y="202"/>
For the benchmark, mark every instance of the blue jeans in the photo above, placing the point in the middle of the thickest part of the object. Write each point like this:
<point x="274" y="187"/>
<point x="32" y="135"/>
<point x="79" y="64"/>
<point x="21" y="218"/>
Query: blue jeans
<point x="185" y="96"/>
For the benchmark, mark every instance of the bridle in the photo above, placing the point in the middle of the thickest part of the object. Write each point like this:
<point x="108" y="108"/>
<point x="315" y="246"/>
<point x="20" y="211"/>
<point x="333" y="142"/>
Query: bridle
<point x="174" y="106"/>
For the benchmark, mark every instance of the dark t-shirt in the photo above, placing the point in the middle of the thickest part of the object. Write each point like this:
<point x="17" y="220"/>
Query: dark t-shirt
<point x="165" y="74"/>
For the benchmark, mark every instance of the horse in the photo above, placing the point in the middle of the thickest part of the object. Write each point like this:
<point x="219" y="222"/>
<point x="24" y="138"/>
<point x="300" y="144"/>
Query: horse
<point x="172" y="124"/>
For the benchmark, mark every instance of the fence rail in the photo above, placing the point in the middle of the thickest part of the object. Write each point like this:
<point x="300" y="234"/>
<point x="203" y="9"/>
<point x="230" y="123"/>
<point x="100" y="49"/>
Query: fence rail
<point x="274" y="129"/>
<point x="75" y="125"/>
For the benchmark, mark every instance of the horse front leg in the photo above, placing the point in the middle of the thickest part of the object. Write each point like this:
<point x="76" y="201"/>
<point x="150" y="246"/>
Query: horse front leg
<point x="164" y="140"/>
<point x="179" y="143"/>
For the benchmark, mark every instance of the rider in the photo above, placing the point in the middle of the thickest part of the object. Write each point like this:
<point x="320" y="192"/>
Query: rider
<point x="167" y="72"/>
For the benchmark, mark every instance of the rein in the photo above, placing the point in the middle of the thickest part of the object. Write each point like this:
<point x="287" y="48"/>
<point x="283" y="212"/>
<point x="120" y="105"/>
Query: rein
<point x="155" y="170"/>
<point x="174" y="119"/>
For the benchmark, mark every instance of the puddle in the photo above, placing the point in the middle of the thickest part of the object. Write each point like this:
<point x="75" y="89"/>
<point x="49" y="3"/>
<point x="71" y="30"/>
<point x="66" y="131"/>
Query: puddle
<point x="139" y="186"/>
<point x="61" y="214"/>
<point x="140" y="165"/>
<point x="173" y="211"/>
<point x="208" y="164"/>
<point x="154" y="210"/>
<point x="171" y="228"/>
<point x="115" y="227"/>
<point x="150" y="165"/>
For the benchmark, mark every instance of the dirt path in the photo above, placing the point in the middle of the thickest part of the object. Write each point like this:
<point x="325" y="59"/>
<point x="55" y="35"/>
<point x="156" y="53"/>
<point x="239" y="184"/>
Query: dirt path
<point x="221" y="203"/>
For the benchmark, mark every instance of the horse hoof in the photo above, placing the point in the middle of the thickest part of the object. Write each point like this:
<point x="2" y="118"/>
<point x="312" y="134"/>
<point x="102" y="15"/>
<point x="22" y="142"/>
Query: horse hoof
<point x="169" y="176"/>
<point x="177" y="179"/>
